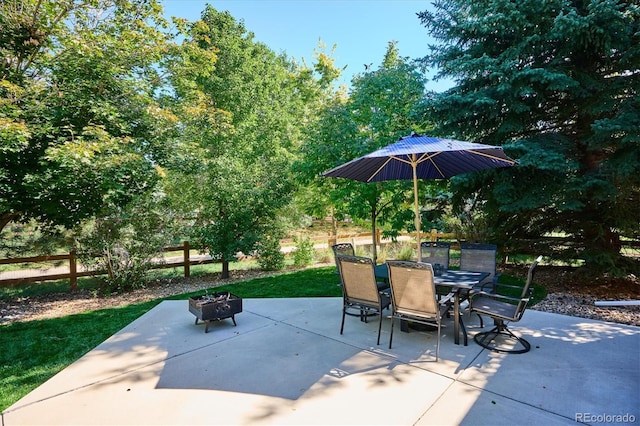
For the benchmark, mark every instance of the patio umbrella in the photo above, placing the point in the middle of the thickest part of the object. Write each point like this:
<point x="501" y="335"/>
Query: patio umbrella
<point x="422" y="157"/>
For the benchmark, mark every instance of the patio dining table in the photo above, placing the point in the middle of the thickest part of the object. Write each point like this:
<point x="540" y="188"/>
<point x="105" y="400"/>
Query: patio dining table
<point x="458" y="282"/>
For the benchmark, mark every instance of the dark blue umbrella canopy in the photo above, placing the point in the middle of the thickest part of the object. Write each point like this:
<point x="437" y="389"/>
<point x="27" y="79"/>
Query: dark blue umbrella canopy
<point x="433" y="158"/>
<point x="422" y="157"/>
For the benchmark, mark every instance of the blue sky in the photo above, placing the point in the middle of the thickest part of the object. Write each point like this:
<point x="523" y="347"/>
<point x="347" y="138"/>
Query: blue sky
<point x="360" y="29"/>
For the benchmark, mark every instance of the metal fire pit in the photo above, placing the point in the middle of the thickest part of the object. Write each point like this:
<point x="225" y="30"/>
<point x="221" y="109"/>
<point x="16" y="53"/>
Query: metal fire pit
<point x="215" y="307"/>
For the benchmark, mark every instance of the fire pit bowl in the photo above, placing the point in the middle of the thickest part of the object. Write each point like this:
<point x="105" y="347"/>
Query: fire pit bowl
<point x="215" y="307"/>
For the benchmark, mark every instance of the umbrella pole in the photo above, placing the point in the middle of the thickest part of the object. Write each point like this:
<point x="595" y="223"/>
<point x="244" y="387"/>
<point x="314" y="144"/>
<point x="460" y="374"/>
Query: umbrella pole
<point x="416" y="206"/>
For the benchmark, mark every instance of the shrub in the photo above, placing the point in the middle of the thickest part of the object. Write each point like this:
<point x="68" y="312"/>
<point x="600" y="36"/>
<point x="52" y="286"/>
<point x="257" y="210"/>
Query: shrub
<point x="123" y="247"/>
<point x="325" y="256"/>
<point x="270" y="258"/>
<point x="304" y="253"/>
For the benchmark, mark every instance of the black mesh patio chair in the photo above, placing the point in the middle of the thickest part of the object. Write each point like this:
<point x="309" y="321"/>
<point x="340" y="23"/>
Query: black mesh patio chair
<point x="480" y="257"/>
<point x="359" y="289"/>
<point x="344" y="249"/>
<point x="435" y="253"/>
<point x="413" y="296"/>
<point x="503" y="309"/>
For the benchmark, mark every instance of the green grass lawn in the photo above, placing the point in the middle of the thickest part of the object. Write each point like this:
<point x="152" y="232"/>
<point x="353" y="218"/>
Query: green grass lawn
<point x="34" y="351"/>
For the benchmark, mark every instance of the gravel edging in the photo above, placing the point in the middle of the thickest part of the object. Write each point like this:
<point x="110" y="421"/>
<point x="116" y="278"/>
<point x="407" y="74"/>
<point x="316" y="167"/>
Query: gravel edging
<point x="579" y="305"/>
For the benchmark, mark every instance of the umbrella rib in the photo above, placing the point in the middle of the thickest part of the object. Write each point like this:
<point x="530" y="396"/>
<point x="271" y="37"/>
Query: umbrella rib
<point x="429" y="156"/>
<point x="400" y="159"/>
<point x="379" y="168"/>
<point x="436" y="167"/>
<point x="392" y="157"/>
<point x="493" y="157"/>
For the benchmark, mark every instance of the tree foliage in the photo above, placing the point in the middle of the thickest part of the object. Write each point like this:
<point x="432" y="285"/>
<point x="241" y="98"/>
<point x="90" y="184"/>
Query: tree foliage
<point x="79" y="129"/>
<point x="381" y="107"/>
<point x="556" y="83"/>
<point x="256" y="103"/>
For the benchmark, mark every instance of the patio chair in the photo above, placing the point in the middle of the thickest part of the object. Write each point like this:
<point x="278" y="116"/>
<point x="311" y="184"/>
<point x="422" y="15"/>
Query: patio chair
<point x="436" y="253"/>
<point x="342" y="249"/>
<point x="359" y="289"/>
<point x="413" y="296"/>
<point x="346" y="249"/>
<point x="503" y="309"/>
<point x="479" y="257"/>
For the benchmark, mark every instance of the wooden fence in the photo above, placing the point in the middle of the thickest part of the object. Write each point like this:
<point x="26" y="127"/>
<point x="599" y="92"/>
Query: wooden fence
<point x="364" y="238"/>
<point x="28" y="275"/>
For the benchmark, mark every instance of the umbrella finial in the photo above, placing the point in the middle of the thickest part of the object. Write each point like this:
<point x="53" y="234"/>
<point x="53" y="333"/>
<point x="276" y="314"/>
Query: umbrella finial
<point x="412" y="135"/>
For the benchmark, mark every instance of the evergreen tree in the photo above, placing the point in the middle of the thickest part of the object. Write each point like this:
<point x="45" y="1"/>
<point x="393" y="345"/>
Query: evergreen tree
<point x="556" y="82"/>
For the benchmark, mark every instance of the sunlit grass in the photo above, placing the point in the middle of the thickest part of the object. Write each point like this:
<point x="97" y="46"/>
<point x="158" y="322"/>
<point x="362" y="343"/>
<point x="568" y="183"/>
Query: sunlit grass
<point x="34" y="351"/>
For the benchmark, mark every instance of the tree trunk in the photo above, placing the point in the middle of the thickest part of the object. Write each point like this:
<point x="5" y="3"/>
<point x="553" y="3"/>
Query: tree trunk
<point x="7" y="217"/>
<point x="374" y="246"/>
<point x="225" y="268"/>
<point x="334" y="225"/>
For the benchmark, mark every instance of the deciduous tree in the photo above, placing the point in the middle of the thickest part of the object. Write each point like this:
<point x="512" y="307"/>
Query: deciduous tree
<point x="79" y="127"/>
<point x="381" y="107"/>
<point x="242" y="176"/>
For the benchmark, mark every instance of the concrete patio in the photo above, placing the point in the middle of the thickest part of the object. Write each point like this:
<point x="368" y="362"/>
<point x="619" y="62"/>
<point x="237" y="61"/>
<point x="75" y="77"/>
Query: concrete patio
<point x="286" y="363"/>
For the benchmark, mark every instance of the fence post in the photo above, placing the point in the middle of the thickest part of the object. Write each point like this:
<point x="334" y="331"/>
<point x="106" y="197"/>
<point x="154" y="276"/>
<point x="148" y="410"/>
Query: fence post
<point x="187" y="261"/>
<point x="434" y="235"/>
<point x="73" y="270"/>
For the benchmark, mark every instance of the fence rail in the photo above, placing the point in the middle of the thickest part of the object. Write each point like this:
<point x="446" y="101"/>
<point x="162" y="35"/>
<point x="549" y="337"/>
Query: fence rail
<point x="73" y="272"/>
<point x="29" y="275"/>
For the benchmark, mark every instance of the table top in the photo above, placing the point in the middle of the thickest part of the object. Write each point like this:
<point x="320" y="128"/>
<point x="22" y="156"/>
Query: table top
<point x="450" y="277"/>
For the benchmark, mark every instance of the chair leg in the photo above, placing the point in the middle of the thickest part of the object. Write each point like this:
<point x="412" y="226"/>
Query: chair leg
<point x="438" y="343"/>
<point x="487" y="339"/>
<point x="464" y="330"/>
<point x="391" y="336"/>
<point x="344" y="311"/>
<point x="380" y="325"/>
<point x="479" y="316"/>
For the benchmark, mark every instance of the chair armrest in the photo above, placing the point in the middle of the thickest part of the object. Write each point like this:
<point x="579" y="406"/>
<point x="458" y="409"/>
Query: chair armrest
<point x="494" y="296"/>
<point x="493" y="283"/>
<point x="496" y="285"/>
<point x="448" y="299"/>
<point x="483" y="289"/>
<point x="500" y="285"/>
